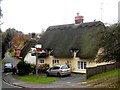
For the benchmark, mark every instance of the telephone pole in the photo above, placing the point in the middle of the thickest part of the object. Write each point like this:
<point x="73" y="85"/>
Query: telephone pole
<point x="101" y="10"/>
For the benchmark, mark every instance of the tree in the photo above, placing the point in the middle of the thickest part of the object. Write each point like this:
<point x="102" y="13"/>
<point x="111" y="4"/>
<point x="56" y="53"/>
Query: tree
<point x="7" y="37"/>
<point x="0" y="36"/>
<point x="111" y="44"/>
<point x="1" y="15"/>
<point x="19" y="40"/>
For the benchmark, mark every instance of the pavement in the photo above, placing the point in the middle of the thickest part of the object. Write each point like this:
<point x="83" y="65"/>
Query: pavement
<point x="8" y="78"/>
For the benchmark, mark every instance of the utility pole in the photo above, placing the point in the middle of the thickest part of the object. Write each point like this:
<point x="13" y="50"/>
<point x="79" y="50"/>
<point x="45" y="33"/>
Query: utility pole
<point x="38" y="51"/>
<point x="36" y="63"/>
<point x="119" y="12"/>
<point x="101" y="10"/>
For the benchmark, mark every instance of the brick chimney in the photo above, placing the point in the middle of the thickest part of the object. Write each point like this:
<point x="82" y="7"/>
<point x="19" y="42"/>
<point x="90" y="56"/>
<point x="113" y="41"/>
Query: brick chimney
<point x="78" y="19"/>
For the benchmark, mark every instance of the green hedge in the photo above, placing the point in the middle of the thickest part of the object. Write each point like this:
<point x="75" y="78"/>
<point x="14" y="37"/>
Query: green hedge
<point x="24" y="68"/>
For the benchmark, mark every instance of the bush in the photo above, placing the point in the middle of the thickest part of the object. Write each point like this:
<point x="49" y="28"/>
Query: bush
<point x="23" y="68"/>
<point x="32" y="68"/>
<point x="11" y="53"/>
<point x="43" y="67"/>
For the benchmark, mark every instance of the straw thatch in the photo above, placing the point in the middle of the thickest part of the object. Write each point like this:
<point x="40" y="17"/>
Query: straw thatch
<point x="29" y="44"/>
<point x="62" y="38"/>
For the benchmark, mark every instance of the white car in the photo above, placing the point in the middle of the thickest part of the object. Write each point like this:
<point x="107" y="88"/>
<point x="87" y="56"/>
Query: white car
<point x="8" y="67"/>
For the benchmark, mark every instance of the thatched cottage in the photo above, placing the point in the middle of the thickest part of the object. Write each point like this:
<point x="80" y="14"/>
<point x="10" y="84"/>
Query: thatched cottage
<point x="74" y="44"/>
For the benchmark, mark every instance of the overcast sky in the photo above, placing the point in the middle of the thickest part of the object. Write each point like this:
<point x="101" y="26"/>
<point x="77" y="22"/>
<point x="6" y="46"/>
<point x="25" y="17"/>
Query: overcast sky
<point x="34" y="15"/>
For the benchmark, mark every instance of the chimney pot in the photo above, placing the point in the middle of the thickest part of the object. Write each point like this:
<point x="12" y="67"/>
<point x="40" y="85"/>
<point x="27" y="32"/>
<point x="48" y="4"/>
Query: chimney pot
<point x="78" y="19"/>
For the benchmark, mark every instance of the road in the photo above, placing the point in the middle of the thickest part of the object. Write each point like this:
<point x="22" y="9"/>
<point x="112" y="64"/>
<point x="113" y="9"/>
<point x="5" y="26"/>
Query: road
<point x="6" y="85"/>
<point x="14" y="62"/>
<point x="11" y="60"/>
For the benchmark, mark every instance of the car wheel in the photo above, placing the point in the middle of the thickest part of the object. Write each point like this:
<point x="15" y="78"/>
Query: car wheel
<point x="58" y="74"/>
<point x="5" y="71"/>
<point x="69" y="74"/>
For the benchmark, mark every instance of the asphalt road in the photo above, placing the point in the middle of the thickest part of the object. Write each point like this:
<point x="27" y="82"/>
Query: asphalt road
<point x="11" y="60"/>
<point x="14" y="62"/>
<point x="6" y="85"/>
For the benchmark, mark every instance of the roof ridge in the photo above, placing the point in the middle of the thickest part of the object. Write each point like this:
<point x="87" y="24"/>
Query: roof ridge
<point x="63" y="26"/>
<point x="76" y="24"/>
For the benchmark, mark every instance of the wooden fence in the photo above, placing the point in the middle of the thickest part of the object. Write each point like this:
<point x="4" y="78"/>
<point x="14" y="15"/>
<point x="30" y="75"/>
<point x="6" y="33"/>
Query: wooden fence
<point x="99" y="69"/>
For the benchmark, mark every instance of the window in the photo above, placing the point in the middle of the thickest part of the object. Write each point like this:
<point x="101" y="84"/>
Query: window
<point x="81" y="65"/>
<point x="55" y="61"/>
<point x="42" y="61"/>
<point x="54" y="68"/>
<point x="64" y="67"/>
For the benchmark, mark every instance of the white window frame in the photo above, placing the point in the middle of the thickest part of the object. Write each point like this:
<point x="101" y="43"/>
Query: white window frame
<point x="81" y="64"/>
<point x="41" y="61"/>
<point x="55" y="61"/>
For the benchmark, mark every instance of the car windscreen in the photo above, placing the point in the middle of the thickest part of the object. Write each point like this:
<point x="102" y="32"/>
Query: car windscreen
<point x="64" y="67"/>
<point x="54" y="68"/>
<point x="8" y="64"/>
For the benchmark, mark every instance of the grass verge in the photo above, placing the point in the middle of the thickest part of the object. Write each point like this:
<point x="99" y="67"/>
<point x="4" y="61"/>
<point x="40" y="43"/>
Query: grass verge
<point x="37" y="80"/>
<point x="107" y="74"/>
<point x="109" y="78"/>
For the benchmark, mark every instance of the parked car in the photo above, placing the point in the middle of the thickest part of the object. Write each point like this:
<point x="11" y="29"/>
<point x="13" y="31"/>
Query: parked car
<point x="59" y="70"/>
<point x="8" y="67"/>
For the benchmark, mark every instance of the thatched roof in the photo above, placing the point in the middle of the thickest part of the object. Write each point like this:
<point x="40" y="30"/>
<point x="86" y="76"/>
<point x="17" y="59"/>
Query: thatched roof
<point x="63" y="38"/>
<point x="29" y="44"/>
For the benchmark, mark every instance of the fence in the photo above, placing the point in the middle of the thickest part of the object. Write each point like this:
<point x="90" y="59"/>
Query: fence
<point x="99" y="69"/>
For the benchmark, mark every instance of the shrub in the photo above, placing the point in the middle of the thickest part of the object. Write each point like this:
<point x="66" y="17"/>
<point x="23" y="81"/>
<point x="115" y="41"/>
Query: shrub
<point x="43" y="67"/>
<point x="32" y="68"/>
<point x="23" y="68"/>
<point x="11" y="53"/>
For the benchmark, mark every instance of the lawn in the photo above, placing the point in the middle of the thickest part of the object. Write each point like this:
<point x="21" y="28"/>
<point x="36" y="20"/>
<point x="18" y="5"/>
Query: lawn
<point x="107" y="74"/>
<point x="37" y="80"/>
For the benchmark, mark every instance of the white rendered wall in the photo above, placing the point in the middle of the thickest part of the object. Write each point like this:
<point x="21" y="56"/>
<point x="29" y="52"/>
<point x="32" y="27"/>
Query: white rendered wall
<point x="30" y="59"/>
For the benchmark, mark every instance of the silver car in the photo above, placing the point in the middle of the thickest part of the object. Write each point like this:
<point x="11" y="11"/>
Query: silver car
<point x="59" y="70"/>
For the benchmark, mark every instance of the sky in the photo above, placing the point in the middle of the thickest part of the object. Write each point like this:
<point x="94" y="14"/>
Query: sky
<point x="36" y="15"/>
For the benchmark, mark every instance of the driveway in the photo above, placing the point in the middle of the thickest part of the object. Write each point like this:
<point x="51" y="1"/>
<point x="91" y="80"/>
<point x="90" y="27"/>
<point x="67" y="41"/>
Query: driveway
<point x="74" y="78"/>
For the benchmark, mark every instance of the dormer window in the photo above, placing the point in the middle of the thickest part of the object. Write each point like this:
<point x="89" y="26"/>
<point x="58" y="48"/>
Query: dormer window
<point x="74" y="51"/>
